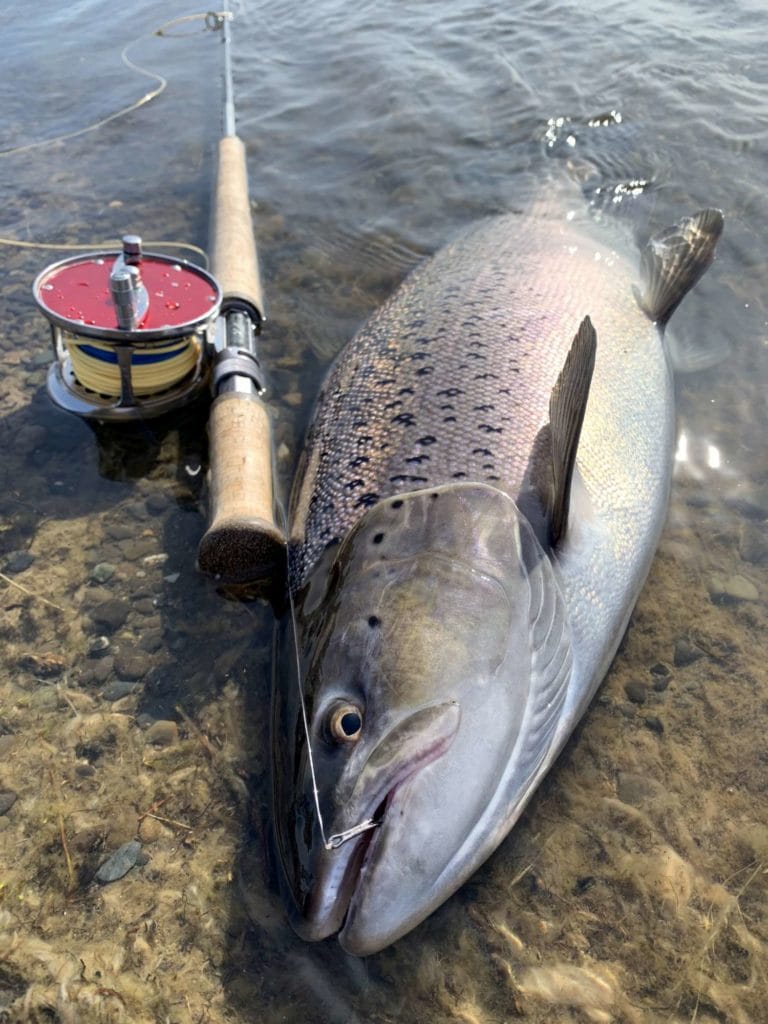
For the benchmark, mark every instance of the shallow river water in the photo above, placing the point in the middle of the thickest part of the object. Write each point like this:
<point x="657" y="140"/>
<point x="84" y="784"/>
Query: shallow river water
<point x="634" y="887"/>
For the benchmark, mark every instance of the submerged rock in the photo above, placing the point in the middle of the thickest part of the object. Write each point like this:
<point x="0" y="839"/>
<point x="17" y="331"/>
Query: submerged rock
<point x="120" y="863"/>
<point x="7" y="800"/>
<point x="725" y="589"/>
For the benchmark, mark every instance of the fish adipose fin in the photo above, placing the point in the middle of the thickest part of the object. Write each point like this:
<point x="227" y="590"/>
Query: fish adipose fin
<point x="567" y="406"/>
<point x="674" y="260"/>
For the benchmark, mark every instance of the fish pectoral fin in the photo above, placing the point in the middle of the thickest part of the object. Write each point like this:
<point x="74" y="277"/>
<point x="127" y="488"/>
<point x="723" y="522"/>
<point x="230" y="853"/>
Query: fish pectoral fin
<point x="567" y="406"/>
<point x="673" y="261"/>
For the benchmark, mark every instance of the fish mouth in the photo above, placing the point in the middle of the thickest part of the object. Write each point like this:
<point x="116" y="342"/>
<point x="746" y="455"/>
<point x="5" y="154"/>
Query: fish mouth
<point x="341" y="873"/>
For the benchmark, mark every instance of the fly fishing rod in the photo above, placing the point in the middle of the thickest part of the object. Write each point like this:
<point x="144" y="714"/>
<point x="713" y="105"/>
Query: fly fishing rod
<point x="137" y="335"/>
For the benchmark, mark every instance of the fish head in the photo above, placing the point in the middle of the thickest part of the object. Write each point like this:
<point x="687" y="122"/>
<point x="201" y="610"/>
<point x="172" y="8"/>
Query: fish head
<point x="417" y="659"/>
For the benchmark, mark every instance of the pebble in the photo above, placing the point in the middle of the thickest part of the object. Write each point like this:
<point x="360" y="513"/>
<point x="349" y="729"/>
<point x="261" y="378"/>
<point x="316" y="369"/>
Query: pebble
<point x="156" y="503"/>
<point x="159" y="559"/>
<point x="686" y="653"/>
<point x="18" y="561"/>
<point x="7" y="800"/>
<point x="654" y="724"/>
<point x="636" y="691"/>
<point x="98" y="647"/>
<point x="132" y="664"/>
<point x="145" y="606"/>
<point x="119" y="531"/>
<point x="150" y="830"/>
<point x="44" y="666"/>
<point x="110" y="614"/>
<point x="162" y="733"/>
<point x="120" y="863"/>
<point x="118" y="689"/>
<point x="137" y="547"/>
<point x="101" y="670"/>
<point x="151" y="641"/>
<point x="727" y="589"/>
<point x="102" y="572"/>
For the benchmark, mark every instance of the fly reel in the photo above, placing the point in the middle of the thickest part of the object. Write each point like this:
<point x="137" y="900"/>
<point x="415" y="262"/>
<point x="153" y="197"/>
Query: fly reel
<point x="131" y="331"/>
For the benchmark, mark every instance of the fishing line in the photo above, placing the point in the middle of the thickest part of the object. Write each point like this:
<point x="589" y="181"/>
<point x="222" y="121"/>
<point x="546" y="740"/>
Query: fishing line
<point x="112" y="243"/>
<point x="339" y="838"/>
<point x="213" y="22"/>
<point x="212" y="19"/>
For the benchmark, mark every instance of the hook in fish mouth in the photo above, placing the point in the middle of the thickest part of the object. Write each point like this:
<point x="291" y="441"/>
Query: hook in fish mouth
<point x="342" y="863"/>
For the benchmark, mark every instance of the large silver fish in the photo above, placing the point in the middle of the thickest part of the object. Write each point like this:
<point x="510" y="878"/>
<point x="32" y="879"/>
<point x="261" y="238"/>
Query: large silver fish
<point x="483" y="489"/>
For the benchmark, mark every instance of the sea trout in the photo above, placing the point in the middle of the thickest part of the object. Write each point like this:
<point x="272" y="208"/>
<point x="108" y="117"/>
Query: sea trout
<point x="482" y="492"/>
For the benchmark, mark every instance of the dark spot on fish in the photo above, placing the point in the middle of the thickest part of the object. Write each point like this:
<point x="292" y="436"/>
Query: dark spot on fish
<point x="365" y="439"/>
<point x="475" y="355"/>
<point x="494" y="477"/>
<point x="427" y="440"/>
<point x="424" y="371"/>
<point x="406" y="419"/>
<point x="434" y="495"/>
<point x="404" y="478"/>
<point x="374" y="621"/>
<point x="418" y="458"/>
<point x="359" y="460"/>
<point x="482" y="451"/>
<point x="359" y="423"/>
<point x="459" y="476"/>
<point x="406" y="391"/>
<point x="449" y="419"/>
<point x="394" y="404"/>
<point x="488" y="407"/>
<point x="386" y="381"/>
<point x="366" y="500"/>
<point x="397" y="503"/>
<point x="352" y="485"/>
<point x="489" y="375"/>
<point x="488" y="465"/>
<point x="488" y="429"/>
<point x="418" y="357"/>
<point x="450" y="393"/>
<point x="415" y="324"/>
<point x="378" y="538"/>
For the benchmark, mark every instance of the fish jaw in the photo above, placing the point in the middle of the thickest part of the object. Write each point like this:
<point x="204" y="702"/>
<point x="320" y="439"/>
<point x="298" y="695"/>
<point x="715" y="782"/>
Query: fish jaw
<point x="406" y="750"/>
<point x="460" y="683"/>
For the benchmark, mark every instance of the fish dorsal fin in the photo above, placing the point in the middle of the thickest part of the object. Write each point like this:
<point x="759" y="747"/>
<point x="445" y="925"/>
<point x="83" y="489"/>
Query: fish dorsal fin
<point x="567" y="405"/>
<point x="673" y="261"/>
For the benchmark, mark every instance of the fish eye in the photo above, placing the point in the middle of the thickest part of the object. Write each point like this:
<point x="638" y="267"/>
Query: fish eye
<point x="345" y="723"/>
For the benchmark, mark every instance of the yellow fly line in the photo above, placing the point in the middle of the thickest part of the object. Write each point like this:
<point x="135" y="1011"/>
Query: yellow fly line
<point x="153" y="370"/>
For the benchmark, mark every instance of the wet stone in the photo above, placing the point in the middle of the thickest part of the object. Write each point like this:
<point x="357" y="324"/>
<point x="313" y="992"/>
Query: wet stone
<point x="162" y="734"/>
<point x="156" y="503"/>
<point x="636" y="691"/>
<point x="686" y="653"/>
<point x="44" y="666"/>
<point x="100" y="671"/>
<point x="732" y="589"/>
<point x="132" y="664"/>
<point x="102" y="572"/>
<point x="98" y="647"/>
<point x="7" y="800"/>
<point x="145" y="606"/>
<point x="119" y="531"/>
<point x="110" y="614"/>
<point x="118" y="689"/>
<point x="151" y="641"/>
<point x="134" y="549"/>
<point x="18" y="561"/>
<point x="120" y="863"/>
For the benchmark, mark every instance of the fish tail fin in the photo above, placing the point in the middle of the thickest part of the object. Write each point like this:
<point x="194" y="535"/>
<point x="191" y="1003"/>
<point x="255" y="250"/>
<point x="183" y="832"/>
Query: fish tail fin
<point x="673" y="261"/>
<point x="567" y="406"/>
